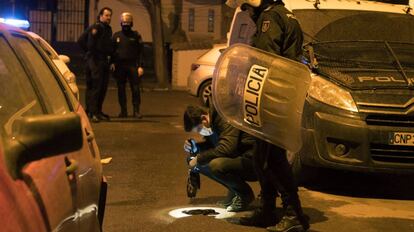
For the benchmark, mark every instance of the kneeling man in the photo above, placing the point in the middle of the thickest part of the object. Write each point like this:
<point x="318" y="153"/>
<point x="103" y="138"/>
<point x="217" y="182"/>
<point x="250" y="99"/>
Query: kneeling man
<point x="225" y="155"/>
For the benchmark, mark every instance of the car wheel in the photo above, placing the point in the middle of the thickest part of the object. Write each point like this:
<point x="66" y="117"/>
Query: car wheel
<point x="303" y="174"/>
<point x="205" y="92"/>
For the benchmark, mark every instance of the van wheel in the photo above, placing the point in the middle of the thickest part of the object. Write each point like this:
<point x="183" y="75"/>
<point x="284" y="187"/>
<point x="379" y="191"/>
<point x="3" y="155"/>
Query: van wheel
<point x="303" y="174"/>
<point x="205" y="92"/>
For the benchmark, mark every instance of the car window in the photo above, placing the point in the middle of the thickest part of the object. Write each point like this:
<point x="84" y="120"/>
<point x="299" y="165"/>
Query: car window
<point x="17" y="96"/>
<point x="49" y="86"/>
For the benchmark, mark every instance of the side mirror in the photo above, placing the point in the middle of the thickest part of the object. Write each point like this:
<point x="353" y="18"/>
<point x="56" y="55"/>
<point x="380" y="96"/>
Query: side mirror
<point x="39" y="137"/>
<point x="64" y="58"/>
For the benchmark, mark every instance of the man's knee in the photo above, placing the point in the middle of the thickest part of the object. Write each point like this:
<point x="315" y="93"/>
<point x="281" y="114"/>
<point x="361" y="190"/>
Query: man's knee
<point x="217" y="166"/>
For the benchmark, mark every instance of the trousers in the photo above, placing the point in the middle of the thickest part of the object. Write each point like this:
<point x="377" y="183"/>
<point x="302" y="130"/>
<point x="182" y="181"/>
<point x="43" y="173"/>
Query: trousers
<point x="97" y="77"/>
<point x="232" y="173"/>
<point x="128" y="73"/>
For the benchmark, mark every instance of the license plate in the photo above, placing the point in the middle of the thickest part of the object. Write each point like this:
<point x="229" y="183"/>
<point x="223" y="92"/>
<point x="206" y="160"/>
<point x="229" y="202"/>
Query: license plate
<point x="401" y="138"/>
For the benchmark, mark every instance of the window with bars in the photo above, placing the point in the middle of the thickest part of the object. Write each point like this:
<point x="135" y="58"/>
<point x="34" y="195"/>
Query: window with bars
<point x="191" y="18"/>
<point x="210" y="20"/>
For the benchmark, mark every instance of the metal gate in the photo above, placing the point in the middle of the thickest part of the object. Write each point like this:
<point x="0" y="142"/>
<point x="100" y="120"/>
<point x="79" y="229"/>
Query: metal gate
<point x="62" y="21"/>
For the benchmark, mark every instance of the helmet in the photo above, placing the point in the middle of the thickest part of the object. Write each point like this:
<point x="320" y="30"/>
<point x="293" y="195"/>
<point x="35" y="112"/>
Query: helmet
<point x="237" y="3"/>
<point x="126" y="19"/>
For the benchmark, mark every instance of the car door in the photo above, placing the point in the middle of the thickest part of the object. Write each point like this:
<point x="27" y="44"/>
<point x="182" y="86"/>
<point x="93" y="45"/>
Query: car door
<point x="20" y="209"/>
<point x="86" y="171"/>
<point x="52" y="180"/>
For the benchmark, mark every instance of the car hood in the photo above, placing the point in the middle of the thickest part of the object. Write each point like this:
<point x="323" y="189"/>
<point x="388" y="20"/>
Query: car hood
<point x="365" y="64"/>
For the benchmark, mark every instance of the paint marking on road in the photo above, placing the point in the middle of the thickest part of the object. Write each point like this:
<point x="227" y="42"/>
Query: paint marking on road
<point x="179" y="126"/>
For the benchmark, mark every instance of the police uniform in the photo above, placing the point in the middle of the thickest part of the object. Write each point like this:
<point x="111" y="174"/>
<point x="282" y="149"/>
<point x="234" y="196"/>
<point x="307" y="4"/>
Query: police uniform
<point x="99" y="50"/>
<point x="128" y="52"/>
<point x="278" y="32"/>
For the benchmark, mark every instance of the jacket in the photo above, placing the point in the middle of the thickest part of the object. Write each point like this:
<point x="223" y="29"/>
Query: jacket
<point x="128" y="47"/>
<point x="227" y="141"/>
<point x="279" y="32"/>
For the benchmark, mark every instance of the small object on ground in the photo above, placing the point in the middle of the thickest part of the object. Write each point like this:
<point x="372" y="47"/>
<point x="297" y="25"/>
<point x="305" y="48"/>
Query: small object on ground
<point x="106" y="160"/>
<point x="205" y="212"/>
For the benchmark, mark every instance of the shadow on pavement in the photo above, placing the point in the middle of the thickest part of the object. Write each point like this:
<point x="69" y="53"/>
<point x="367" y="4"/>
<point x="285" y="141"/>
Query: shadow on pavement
<point x="161" y="116"/>
<point x="315" y="216"/>
<point x="130" y="120"/>
<point x="364" y="185"/>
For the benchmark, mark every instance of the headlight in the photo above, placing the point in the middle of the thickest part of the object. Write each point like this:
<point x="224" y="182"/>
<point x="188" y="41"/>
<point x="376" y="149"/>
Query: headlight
<point x="331" y="94"/>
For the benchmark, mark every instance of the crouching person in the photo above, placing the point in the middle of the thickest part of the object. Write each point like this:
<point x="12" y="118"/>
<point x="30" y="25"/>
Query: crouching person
<point x="225" y="155"/>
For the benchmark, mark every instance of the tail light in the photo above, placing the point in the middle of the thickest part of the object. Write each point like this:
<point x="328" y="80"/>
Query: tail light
<point x="194" y="67"/>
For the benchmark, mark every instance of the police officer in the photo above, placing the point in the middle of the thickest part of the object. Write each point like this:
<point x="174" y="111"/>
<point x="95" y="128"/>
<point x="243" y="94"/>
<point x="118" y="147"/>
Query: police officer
<point x="127" y="58"/>
<point x="278" y="32"/>
<point x="99" y="50"/>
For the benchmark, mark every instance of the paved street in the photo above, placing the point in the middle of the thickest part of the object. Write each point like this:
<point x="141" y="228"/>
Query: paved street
<point x="147" y="177"/>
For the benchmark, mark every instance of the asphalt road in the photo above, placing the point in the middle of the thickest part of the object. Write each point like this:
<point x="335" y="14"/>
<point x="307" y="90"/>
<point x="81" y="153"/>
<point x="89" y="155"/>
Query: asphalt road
<point x="147" y="176"/>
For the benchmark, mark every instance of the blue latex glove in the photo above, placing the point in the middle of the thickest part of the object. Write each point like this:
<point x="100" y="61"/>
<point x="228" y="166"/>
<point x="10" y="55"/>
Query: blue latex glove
<point x="191" y="147"/>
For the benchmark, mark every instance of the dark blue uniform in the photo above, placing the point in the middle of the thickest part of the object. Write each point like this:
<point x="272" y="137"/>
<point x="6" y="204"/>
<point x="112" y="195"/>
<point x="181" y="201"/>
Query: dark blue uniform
<point x="127" y="57"/>
<point x="99" y="50"/>
<point x="278" y="32"/>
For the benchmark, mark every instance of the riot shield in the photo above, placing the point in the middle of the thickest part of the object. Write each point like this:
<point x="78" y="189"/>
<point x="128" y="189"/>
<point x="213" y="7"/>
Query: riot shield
<point x="262" y="94"/>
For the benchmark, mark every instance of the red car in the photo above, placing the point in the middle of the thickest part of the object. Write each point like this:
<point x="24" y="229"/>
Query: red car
<point x="50" y="171"/>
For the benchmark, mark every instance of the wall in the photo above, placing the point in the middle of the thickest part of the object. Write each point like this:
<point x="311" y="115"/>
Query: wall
<point x="201" y="8"/>
<point x="142" y="22"/>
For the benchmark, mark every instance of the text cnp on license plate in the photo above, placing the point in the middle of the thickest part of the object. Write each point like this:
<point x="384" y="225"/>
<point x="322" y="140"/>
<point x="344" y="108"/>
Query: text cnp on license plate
<point x="253" y="93"/>
<point x="401" y="138"/>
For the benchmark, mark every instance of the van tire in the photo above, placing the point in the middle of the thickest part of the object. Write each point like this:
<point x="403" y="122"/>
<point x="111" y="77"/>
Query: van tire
<point x="204" y="92"/>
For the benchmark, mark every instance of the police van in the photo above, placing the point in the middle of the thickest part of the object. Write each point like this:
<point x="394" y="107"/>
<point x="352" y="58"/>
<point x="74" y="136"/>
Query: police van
<point x="349" y="104"/>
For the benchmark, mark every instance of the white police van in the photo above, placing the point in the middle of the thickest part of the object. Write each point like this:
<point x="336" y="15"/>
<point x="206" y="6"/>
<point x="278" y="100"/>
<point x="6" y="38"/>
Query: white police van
<point x="349" y="105"/>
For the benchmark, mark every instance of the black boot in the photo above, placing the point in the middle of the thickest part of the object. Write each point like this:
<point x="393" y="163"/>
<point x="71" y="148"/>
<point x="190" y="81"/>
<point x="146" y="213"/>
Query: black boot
<point x="93" y="118"/>
<point x="123" y="113"/>
<point x="293" y="221"/>
<point x="260" y="218"/>
<point x="103" y="117"/>
<point x="137" y="115"/>
<point x="136" y="112"/>
<point x="264" y="216"/>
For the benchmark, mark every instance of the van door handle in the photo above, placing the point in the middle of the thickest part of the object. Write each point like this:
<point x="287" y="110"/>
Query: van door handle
<point x="71" y="165"/>
<point x="90" y="136"/>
